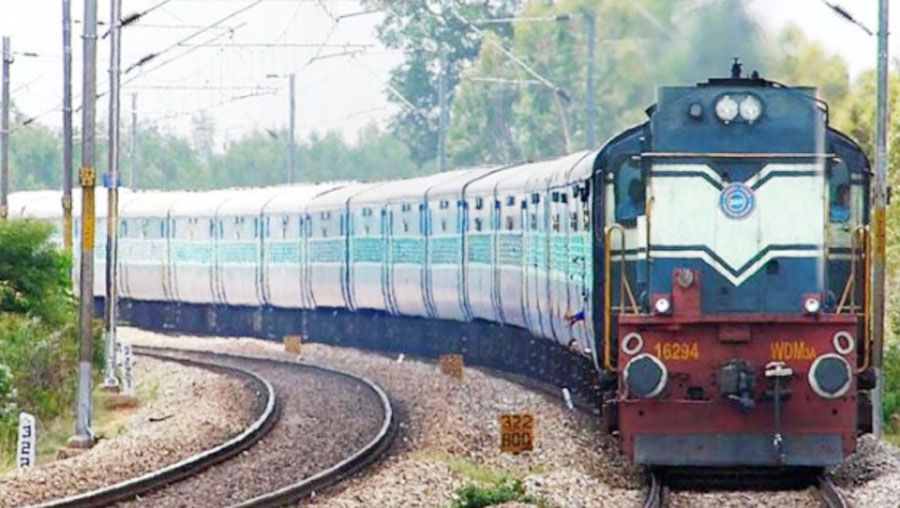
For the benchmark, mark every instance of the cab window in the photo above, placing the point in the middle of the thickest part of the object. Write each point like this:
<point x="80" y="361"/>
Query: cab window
<point x="839" y="193"/>
<point x="630" y="193"/>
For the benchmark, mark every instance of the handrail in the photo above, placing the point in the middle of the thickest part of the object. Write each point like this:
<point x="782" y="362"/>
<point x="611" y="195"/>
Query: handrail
<point x="624" y="288"/>
<point x="859" y="238"/>
<point x="867" y="300"/>
<point x="848" y="292"/>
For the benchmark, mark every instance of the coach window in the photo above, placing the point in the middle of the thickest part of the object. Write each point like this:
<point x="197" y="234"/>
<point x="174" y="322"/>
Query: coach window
<point x="839" y="193"/>
<point x="630" y="193"/>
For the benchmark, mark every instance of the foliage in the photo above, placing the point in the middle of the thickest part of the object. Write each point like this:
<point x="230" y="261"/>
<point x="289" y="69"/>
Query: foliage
<point x="800" y="61"/>
<point x="641" y="45"/>
<point x="166" y="161"/>
<point x="424" y="31"/>
<point x="891" y="403"/>
<point x="476" y="496"/>
<point x="38" y="336"/>
<point x="34" y="277"/>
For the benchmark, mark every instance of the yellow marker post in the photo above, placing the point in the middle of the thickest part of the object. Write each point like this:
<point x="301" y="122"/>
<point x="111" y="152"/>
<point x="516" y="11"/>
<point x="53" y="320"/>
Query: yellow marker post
<point x="293" y="344"/>
<point x="451" y="365"/>
<point x="516" y="433"/>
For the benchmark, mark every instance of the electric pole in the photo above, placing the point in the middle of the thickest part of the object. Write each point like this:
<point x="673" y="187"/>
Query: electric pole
<point x="133" y="179"/>
<point x="292" y="156"/>
<point x="83" y="437"/>
<point x="4" y="133"/>
<point x="67" y="125"/>
<point x="590" y="18"/>
<point x="442" y="104"/>
<point x="880" y="226"/>
<point x="110" y="381"/>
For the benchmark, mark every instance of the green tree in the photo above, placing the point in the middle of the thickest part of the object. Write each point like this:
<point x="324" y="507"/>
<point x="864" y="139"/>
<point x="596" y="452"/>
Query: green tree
<point x="423" y="31"/>
<point x="379" y="155"/>
<point x="34" y="276"/>
<point x="796" y="60"/>
<point x="254" y="160"/>
<point x="638" y="46"/>
<point x="166" y="161"/>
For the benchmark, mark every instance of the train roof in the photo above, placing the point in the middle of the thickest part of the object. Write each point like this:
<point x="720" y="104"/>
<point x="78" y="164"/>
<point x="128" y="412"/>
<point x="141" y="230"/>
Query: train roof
<point x="22" y="204"/>
<point x="296" y="201"/>
<point x="48" y="204"/>
<point x="454" y="187"/>
<point x="199" y="204"/>
<point x="408" y="188"/>
<point x="251" y="201"/>
<point x="150" y="203"/>
<point x="337" y="198"/>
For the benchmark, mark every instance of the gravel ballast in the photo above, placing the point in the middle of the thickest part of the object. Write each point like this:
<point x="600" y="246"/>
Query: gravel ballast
<point x="324" y="417"/>
<point x="448" y="434"/>
<point x="448" y="438"/>
<point x="191" y="409"/>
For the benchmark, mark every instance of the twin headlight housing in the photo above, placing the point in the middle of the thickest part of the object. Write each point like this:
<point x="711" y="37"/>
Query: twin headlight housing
<point x="729" y="107"/>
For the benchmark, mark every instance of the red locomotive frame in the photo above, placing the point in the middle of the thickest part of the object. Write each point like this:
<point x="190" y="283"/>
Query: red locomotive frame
<point x="691" y="423"/>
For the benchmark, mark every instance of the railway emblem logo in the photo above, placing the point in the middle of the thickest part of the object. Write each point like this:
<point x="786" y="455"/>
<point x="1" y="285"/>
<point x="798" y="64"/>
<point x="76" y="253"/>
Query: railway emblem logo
<point x="737" y="201"/>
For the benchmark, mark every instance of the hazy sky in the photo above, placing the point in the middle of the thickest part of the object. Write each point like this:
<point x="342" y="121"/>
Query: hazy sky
<point x="228" y="80"/>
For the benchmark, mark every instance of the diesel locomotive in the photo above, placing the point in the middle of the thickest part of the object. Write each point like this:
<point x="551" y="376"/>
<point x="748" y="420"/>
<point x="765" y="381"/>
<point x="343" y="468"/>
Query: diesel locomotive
<point x="702" y="278"/>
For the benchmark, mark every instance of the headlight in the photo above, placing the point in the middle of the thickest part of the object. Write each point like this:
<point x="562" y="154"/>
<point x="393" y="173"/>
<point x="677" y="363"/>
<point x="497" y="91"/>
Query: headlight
<point x="812" y="304"/>
<point x="645" y="376"/>
<point x="830" y="376"/>
<point x="662" y="304"/>
<point x="726" y="109"/>
<point x="751" y="109"/>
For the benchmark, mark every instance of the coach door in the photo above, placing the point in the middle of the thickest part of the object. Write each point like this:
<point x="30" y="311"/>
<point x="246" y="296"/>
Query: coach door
<point x="580" y="273"/>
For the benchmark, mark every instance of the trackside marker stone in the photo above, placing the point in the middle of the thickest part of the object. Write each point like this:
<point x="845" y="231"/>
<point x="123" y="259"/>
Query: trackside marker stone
<point x="25" y="452"/>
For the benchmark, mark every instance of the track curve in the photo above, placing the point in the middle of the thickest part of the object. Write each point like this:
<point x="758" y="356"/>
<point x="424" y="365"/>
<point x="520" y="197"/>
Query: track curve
<point x="154" y="480"/>
<point x="332" y="425"/>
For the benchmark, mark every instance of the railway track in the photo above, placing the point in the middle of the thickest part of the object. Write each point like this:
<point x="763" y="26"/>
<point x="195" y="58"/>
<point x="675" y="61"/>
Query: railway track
<point x="332" y="424"/>
<point x="240" y="471"/>
<point x="654" y="492"/>
<point x="128" y="489"/>
<point x="830" y="495"/>
<point x="657" y="488"/>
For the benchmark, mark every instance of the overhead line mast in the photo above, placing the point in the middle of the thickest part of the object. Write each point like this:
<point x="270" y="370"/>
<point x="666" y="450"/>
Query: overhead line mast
<point x="83" y="437"/>
<point x="880" y="222"/>
<point x="67" y="125"/>
<point x="110" y="380"/>
<point x="4" y="133"/>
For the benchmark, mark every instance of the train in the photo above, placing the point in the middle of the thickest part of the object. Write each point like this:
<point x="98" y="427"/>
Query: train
<point x="701" y="280"/>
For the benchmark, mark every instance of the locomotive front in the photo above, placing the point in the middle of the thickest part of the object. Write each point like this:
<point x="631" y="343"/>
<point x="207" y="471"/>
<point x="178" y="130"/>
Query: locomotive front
<point x="735" y="289"/>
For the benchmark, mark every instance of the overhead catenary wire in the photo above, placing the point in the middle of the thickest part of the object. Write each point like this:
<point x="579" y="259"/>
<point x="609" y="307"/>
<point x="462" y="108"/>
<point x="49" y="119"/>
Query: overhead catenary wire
<point x="844" y="13"/>
<point x="189" y="44"/>
<point x="225" y="102"/>
<point x="192" y="36"/>
<point x="393" y="90"/>
<point x="560" y="91"/>
<point x="279" y="45"/>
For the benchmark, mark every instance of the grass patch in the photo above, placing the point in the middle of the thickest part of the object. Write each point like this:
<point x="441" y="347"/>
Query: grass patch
<point x="477" y="496"/>
<point x="894" y="439"/>
<point x="891" y="385"/>
<point x="106" y="424"/>
<point x="476" y="472"/>
<point x="485" y="486"/>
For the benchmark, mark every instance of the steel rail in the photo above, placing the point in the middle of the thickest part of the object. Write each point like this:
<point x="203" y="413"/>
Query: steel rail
<point x="831" y="496"/>
<point x="190" y="466"/>
<point x="654" y="493"/>
<point x="353" y="463"/>
<point x="350" y="465"/>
